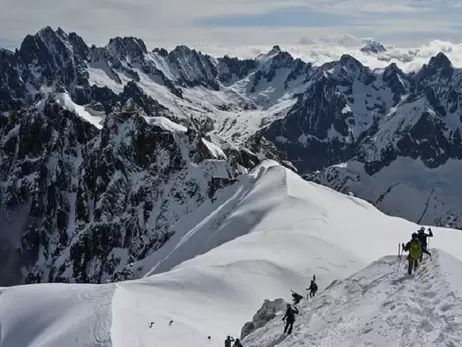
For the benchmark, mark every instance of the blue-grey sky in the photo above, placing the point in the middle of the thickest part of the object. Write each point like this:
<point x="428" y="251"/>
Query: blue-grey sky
<point x="235" y="22"/>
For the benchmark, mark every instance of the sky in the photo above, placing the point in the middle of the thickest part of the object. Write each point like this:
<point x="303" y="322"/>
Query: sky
<point x="235" y="22"/>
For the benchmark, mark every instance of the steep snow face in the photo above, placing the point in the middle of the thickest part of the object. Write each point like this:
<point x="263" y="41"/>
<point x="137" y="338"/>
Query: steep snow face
<point x="379" y="306"/>
<point x="64" y="100"/>
<point x="265" y="242"/>
<point x="81" y="204"/>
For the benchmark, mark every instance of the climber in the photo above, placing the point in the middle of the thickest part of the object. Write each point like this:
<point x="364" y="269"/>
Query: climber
<point x="296" y="297"/>
<point x="289" y="319"/>
<point x="423" y="239"/>
<point x="228" y="341"/>
<point x="313" y="288"/>
<point x="237" y="343"/>
<point x="415" y="251"/>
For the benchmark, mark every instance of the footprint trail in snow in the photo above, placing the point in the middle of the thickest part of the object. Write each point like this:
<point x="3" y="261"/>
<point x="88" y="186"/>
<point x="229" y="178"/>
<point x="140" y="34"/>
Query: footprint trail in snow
<point x="378" y="307"/>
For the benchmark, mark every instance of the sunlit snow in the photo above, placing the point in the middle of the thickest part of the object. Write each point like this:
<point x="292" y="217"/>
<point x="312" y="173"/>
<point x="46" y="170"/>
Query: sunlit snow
<point x="264" y="235"/>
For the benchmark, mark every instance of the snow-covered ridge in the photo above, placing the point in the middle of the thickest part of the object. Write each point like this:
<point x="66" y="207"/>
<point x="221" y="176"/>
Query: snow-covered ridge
<point x="271" y="232"/>
<point x="379" y="306"/>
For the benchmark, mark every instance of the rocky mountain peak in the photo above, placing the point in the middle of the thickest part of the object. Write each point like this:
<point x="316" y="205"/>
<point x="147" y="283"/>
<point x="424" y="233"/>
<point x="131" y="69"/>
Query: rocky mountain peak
<point x="349" y="61"/>
<point x="276" y="49"/>
<point x="272" y="53"/>
<point x="127" y="47"/>
<point x="373" y="47"/>
<point x="440" y="61"/>
<point x="161" y="51"/>
<point x="392" y="69"/>
<point x="438" y="68"/>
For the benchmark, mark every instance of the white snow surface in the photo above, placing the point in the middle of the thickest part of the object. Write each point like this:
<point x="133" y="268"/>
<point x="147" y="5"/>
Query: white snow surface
<point x="216" y="151"/>
<point x="166" y="124"/>
<point x="64" y="100"/>
<point x="262" y="236"/>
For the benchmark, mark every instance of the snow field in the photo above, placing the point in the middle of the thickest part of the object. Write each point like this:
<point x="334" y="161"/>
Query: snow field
<point x="64" y="100"/>
<point x="267" y="235"/>
<point x="44" y="315"/>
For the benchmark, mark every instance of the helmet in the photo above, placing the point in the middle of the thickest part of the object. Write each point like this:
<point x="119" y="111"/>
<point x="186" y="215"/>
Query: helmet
<point x="421" y="230"/>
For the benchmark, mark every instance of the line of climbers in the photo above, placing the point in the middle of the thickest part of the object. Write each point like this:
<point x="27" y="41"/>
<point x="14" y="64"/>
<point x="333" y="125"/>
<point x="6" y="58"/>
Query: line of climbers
<point x="289" y="317"/>
<point x="416" y="247"/>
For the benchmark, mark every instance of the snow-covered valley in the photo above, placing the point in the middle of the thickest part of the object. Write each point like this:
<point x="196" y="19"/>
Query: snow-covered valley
<point x="276" y="230"/>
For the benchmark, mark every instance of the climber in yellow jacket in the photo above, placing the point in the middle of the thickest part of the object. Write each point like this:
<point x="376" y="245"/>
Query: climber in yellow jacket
<point x="415" y="250"/>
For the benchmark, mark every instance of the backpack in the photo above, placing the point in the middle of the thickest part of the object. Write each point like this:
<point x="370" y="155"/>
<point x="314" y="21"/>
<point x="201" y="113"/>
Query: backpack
<point x="415" y="250"/>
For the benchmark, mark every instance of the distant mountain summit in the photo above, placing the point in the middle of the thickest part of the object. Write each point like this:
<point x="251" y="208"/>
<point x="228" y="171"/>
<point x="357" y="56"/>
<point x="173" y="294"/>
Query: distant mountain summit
<point x="373" y="47"/>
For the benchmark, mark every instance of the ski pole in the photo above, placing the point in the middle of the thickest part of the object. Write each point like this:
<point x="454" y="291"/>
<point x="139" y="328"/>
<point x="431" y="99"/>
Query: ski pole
<point x="399" y="256"/>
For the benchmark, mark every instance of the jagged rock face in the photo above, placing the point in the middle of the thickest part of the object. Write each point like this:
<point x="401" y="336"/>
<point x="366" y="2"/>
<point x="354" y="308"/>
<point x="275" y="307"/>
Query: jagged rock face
<point x="380" y="126"/>
<point x="265" y="313"/>
<point x="312" y="117"/>
<point x="231" y="69"/>
<point x="80" y="205"/>
<point x="348" y="111"/>
<point x="310" y="125"/>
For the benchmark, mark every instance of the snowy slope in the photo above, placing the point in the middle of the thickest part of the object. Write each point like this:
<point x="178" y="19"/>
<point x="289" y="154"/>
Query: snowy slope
<point x="379" y="306"/>
<point x="319" y="220"/>
<point x="56" y="315"/>
<point x="64" y="100"/>
<point x="264" y="235"/>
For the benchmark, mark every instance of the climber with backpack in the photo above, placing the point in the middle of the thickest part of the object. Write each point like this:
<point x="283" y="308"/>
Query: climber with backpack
<point x="423" y="239"/>
<point x="289" y="319"/>
<point x="313" y="288"/>
<point x="415" y="250"/>
<point x="296" y="297"/>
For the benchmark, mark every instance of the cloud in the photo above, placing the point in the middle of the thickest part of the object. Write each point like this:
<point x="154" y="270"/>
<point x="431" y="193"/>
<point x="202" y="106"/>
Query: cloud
<point x="320" y="51"/>
<point x="241" y="22"/>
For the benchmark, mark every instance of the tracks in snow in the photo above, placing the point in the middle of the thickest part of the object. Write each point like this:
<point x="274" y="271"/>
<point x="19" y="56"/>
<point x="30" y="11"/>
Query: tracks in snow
<point x="377" y="307"/>
<point x="100" y="296"/>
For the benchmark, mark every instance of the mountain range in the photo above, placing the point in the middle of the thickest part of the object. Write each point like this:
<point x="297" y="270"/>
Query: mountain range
<point x="106" y="150"/>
